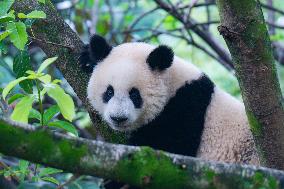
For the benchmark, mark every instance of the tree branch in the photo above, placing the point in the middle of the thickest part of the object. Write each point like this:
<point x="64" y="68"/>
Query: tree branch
<point x="204" y="35"/>
<point x="142" y="167"/>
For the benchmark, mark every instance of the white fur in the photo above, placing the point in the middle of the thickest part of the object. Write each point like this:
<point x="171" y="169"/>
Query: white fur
<point x="226" y="135"/>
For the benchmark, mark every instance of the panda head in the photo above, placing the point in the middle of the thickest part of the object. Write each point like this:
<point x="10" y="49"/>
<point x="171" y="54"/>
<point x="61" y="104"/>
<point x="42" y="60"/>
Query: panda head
<point x="129" y="82"/>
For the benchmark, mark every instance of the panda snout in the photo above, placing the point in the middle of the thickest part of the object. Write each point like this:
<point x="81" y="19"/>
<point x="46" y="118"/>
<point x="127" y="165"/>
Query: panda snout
<point x="118" y="119"/>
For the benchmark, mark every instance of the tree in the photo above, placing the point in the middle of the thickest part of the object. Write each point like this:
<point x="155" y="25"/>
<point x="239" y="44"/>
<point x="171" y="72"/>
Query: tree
<point x="245" y="32"/>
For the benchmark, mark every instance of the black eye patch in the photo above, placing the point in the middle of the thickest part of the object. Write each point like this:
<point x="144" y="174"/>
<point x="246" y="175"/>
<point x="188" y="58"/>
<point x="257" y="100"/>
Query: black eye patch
<point x="136" y="98"/>
<point x="108" y="94"/>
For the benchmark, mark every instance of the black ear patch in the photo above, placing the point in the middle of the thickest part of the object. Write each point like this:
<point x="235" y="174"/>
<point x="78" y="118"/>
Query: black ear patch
<point x="91" y="54"/>
<point x="160" y="58"/>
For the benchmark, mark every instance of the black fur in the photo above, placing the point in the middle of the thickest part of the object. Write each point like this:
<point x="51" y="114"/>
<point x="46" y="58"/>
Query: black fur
<point x="136" y="98"/>
<point x="91" y="54"/>
<point x="160" y="58"/>
<point x="108" y="94"/>
<point x="179" y="127"/>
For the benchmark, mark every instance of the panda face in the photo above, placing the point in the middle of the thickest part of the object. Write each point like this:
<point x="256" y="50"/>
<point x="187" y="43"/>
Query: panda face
<point x="121" y="110"/>
<point x="125" y="90"/>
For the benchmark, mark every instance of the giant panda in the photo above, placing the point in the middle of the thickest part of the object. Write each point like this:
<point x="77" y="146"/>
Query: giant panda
<point x="166" y="103"/>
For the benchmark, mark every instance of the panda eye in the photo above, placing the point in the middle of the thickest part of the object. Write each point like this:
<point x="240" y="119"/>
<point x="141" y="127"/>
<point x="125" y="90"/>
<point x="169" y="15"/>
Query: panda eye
<point x="135" y="96"/>
<point x="108" y="94"/>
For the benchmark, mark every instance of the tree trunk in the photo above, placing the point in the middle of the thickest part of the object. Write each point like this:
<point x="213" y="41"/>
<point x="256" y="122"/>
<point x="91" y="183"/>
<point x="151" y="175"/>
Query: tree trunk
<point x="139" y="166"/>
<point x="244" y="30"/>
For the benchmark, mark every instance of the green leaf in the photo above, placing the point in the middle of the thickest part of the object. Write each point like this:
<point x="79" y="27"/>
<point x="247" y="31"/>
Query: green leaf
<point x="15" y="97"/>
<point x="65" y="126"/>
<point x="33" y="14"/>
<point x="50" y="113"/>
<point x="56" y="81"/>
<point x="5" y="6"/>
<point x="46" y="63"/>
<point x="45" y="78"/>
<point x="22" y="109"/>
<point x="64" y="101"/>
<point x="11" y="85"/>
<point x="20" y="66"/>
<point x="50" y="179"/>
<point x="4" y="34"/>
<point x="18" y="35"/>
<point x="34" y="114"/>
<point x="5" y="18"/>
<point x="49" y="171"/>
<point x="41" y="1"/>
<point x="23" y="165"/>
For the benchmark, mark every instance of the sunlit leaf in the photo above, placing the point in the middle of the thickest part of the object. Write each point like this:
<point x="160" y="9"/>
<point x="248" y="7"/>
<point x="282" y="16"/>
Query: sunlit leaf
<point x="65" y="126"/>
<point x="50" y="113"/>
<point x="63" y="100"/>
<point x="14" y="98"/>
<point x="50" y="179"/>
<point x="49" y="171"/>
<point x="33" y="14"/>
<point x="18" y="35"/>
<point x="22" y="109"/>
<point x="20" y="66"/>
<point x="11" y="85"/>
<point x="46" y="63"/>
<point x="56" y="81"/>
<point x="4" y="34"/>
<point x="45" y="79"/>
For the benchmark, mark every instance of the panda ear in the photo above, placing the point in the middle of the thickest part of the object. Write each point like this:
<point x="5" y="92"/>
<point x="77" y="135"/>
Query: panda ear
<point x="160" y="58"/>
<point x="97" y="50"/>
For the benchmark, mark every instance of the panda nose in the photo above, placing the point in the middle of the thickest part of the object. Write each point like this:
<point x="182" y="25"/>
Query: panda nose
<point x="118" y="119"/>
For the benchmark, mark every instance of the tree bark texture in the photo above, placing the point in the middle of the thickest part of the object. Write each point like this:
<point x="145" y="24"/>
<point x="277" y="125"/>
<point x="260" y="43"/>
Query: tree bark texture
<point x="139" y="166"/>
<point x="244" y="30"/>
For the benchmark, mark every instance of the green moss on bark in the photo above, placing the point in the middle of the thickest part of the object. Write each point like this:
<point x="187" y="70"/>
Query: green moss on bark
<point x="150" y="169"/>
<point x="27" y="145"/>
<point x="255" y="126"/>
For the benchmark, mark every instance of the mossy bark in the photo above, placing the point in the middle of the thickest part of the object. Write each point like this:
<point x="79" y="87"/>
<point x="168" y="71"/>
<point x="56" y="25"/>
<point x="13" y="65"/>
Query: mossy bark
<point x="244" y="30"/>
<point x="56" y="38"/>
<point x="139" y="166"/>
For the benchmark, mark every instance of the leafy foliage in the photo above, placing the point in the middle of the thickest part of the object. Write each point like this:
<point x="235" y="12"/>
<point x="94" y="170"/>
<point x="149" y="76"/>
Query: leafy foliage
<point x="24" y="106"/>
